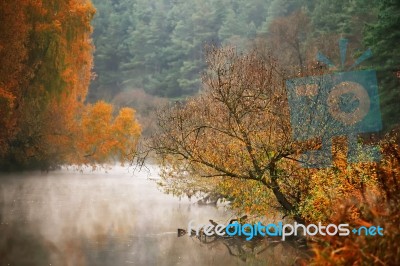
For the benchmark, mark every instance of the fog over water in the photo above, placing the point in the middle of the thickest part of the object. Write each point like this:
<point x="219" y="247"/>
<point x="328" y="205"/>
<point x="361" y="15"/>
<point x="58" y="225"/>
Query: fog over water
<point x="114" y="218"/>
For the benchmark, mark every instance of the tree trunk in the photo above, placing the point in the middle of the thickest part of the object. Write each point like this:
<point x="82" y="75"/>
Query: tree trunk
<point x="283" y="201"/>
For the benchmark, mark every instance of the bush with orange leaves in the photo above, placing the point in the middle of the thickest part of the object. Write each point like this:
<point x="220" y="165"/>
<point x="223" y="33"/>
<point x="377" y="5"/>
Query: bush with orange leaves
<point x="365" y="195"/>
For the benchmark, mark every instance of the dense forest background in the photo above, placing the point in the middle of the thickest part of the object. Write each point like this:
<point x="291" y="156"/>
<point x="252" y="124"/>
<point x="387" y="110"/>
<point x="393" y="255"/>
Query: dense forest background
<point x="147" y="49"/>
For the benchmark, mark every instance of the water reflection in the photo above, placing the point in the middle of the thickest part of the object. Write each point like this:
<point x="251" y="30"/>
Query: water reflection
<point x="68" y="218"/>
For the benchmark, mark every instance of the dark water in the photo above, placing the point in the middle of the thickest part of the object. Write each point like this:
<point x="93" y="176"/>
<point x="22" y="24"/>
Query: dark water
<point x="114" y="218"/>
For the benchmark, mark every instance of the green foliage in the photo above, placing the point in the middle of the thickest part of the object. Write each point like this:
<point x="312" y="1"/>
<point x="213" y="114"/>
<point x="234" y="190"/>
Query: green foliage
<point x="279" y="9"/>
<point x="157" y="45"/>
<point x="383" y="37"/>
<point x="111" y="26"/>
<point x="332" y="17"/>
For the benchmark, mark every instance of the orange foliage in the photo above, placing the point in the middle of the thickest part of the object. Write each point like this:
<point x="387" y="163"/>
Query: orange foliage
<point x="104" y="137"/>
<point x="13" y="52"/>
<point x="46" y="59"/>
<point x="368" y="195"/>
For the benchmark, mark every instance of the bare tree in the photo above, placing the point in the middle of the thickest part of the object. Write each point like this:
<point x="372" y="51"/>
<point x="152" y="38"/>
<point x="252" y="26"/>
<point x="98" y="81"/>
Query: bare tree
<point x="238" y="127"/>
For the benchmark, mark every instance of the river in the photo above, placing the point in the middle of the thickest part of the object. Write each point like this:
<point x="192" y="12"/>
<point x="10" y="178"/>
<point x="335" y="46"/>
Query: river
<point x="111" y="218"/>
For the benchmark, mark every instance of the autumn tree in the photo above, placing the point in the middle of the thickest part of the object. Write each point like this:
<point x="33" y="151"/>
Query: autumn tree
<point x="46" y="63"/>
<point x="237" y="128"/>
<point x="104" y="137"/>
<point x="13" y="71"/>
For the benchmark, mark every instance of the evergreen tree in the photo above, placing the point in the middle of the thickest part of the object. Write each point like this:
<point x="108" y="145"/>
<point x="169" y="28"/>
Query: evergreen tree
<point x="111" y="25"/>
<point x="383" y="37"/>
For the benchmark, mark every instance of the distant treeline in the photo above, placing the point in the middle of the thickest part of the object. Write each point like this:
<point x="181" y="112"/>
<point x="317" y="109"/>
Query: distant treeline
<point x="158" y="45"/>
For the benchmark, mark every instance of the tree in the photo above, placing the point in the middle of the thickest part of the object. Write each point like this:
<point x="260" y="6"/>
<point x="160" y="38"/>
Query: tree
<point x="52" y="56"/>
<point x="288" y="38"/>
<point x="383" y="37"/>
<point x="237" y="128"/>
<point x="192" y="31"/>
<point x="278" y="8"/>
<point x="332" y="17"/>
<point x="236" y="30"/>
<point x="103" y="137"/>
<point x="112" y="25"/>
<point x="13" y="71"/>
<point x="49" y="54"/>
<point x="157" y="45"/>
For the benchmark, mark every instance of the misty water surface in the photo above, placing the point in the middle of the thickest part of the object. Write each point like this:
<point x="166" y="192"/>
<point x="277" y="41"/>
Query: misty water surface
<point x="114" y="218"/>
